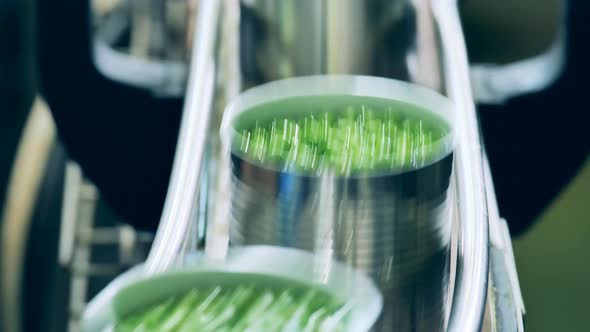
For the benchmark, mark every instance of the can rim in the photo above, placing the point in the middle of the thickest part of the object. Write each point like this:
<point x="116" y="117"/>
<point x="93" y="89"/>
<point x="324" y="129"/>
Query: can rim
<point x="351" y="85"/>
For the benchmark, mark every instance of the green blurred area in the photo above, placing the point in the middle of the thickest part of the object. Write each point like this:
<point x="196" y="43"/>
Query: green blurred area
<point x="554" y="265"/>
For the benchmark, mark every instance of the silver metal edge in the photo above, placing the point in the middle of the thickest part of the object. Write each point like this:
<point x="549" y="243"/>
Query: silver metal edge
<point x="470" y="292"/>
<point x="188" y="161"/>
<point x="508" y="285"/>
<point x="509" y="305"/>
<point x="500" y="238"/>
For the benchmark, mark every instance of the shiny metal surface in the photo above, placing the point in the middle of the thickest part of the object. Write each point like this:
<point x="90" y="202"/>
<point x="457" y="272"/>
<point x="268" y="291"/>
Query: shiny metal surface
<point x="181" y="201"/>
<point x="471" y="277"/>
<point x="395" y="227"/>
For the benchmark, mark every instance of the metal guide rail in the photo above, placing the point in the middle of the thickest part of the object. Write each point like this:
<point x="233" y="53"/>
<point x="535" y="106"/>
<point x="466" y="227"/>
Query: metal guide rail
<point x="469" y="294"/>
<point x="484" y="267"/>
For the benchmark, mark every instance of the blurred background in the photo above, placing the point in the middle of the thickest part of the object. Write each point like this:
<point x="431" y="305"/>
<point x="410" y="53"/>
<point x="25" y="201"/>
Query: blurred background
<point x="543" y="181"/>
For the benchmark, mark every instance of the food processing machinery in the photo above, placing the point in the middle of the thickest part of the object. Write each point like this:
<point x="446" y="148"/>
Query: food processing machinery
<point x="235" y="45"/>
